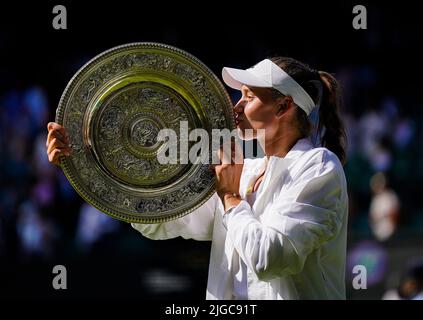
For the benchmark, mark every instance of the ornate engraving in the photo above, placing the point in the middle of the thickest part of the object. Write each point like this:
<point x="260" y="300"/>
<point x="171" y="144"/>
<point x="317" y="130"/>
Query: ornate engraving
<point x="114" y="108"/>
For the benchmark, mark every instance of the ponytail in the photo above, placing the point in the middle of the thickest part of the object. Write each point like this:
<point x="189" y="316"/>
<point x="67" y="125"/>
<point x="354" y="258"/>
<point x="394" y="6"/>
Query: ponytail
<point x="334" y="137"/>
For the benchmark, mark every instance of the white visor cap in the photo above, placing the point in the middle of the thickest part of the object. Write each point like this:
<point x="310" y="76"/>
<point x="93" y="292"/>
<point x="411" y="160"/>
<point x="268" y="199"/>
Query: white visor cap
<point x="267" y="74"/>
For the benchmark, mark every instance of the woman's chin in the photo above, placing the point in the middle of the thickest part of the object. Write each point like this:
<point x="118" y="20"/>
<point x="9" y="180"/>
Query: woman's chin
<point x="245" y="135"/>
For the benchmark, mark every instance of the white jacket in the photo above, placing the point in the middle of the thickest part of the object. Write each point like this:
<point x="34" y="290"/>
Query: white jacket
<point x="293" y="238"/>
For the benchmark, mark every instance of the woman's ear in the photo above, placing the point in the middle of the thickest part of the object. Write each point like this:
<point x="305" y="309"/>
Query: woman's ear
<point x="281" y="109"/>
<point x="283" y="105"/>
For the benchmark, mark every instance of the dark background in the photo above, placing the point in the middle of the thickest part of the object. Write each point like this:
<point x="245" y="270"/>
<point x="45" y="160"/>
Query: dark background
<point x="43" y="222"/>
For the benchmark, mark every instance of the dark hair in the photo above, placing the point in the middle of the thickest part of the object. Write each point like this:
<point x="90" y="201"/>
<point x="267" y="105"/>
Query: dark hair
<point x="334" y="138"/>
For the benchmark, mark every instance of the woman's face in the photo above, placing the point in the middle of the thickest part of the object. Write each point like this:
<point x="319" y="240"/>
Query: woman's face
<point x="255" y="110"/>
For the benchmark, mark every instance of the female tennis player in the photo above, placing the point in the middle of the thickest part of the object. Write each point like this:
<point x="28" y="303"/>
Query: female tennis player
<point x="278" y="224"/>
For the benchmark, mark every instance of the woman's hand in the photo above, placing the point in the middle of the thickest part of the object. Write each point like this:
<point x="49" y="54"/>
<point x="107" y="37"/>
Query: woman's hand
<point x="57" y="143"/>
<point x="228" y="172"/>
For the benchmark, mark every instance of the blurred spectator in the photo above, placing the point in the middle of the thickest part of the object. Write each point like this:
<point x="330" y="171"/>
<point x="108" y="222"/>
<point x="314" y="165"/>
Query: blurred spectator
<point x="372" y="127"/>
<point x="35" y="104"/>
<point x="92" y="225"/>
<point x="36" y="233"/>
<point x="411" y="285"/>
<point x="404" y="132"/>
<point x="39" y="161"/>
<point x="381" y="156"/>
<point x="384" y="208"/>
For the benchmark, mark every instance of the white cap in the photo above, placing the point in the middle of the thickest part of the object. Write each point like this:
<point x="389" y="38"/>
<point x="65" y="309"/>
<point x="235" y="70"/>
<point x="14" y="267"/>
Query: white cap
<point x="267" y="74"/>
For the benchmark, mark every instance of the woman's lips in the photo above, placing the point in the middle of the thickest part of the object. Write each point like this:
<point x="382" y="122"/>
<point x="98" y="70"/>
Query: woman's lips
<point x="238" y="120"/>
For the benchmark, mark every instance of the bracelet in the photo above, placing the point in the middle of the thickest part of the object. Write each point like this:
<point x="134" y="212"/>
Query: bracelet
<point x="232" y="194"/>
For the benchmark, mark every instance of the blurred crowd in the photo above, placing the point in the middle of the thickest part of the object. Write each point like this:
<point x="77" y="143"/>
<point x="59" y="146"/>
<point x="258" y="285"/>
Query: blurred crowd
<point x="38" y="206"/>
<point x="41" y="214"/>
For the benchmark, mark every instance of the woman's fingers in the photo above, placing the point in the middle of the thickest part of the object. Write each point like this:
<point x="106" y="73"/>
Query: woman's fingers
<point x="57" y="144"/>
<point x="55" y="130"/>
<point x="53" y="126"/>
<point x="231" y="153"/>
<point x="237" y="154"/>
<point x="58" y="130"/>
<point x="57" y="148"/>
<point x="54" y="134"/>
<point x="53" y="157"/>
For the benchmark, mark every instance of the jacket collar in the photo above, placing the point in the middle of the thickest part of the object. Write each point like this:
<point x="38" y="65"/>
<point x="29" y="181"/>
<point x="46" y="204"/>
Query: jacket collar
<point x="276" y="165"/>
<point x="301" y="146"/>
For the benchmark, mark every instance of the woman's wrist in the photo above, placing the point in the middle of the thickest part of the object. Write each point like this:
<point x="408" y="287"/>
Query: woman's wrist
<point x="231" y="200"/>
<point x="228" y="195"/>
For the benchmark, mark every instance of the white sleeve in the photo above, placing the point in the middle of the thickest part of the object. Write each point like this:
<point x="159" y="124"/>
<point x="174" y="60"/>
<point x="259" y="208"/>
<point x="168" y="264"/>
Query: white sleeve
<point x="197" y="225"/>
<point x="300" y="220"/>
